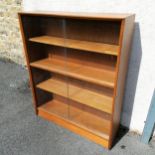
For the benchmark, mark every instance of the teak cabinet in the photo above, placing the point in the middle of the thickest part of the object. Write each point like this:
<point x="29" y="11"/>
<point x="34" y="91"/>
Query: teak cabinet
<point x="77" y="65"/>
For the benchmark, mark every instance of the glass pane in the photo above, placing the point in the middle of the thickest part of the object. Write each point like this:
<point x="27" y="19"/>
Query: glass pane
<point x="59" y="60"/>
<point x="92" y="73"/>
<point x="48" y="62"/>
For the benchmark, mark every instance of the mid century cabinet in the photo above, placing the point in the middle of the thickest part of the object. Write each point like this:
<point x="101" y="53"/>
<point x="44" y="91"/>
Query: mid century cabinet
<point x="77" y="65"/>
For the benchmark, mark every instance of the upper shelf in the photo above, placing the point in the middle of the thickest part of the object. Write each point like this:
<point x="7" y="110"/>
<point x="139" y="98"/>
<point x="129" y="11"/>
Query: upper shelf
<point x="78" y="44"/>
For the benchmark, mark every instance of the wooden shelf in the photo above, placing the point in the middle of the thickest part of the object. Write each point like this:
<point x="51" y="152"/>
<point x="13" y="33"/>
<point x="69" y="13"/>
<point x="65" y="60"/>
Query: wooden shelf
<point x="90" y="74"/>
<point x="78" y="93"/>
<point x="78" y="44"/>
<point x="82" y="119"/>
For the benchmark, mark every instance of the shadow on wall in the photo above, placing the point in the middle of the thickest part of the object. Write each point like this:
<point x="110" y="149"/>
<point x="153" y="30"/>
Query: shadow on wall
<point x="132" y="77"/>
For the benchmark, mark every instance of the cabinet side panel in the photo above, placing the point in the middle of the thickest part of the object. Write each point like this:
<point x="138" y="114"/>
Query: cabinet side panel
<point x="122" y="67"/>
<point x="27" y="61"/>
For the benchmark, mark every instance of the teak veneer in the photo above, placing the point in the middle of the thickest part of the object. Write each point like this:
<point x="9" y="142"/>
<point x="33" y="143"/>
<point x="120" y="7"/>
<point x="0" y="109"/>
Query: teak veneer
<point x="77" y="65"/>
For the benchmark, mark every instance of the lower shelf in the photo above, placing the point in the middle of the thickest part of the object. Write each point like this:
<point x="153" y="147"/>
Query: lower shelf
<point x="96" y="123"/>
<point x="55" y="112"/>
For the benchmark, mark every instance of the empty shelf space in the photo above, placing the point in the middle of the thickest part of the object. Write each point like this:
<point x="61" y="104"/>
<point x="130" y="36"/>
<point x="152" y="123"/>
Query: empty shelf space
<point x="78" y="44"/>
<point x="98" y="76"/>
<point x="83" y="119"/>
<point x="79" y="94"/>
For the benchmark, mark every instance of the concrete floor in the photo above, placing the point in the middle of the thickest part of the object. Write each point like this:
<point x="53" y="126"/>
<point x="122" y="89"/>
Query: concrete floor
<point x="23" y="133"/>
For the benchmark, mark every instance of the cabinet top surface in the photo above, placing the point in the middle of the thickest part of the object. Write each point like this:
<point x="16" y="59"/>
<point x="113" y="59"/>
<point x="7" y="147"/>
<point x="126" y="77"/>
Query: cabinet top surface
<point x="85" y="15"/>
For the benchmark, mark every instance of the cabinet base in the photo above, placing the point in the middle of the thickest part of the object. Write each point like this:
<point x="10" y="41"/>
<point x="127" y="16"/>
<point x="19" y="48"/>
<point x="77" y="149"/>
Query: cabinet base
<point x="72" y="127"/>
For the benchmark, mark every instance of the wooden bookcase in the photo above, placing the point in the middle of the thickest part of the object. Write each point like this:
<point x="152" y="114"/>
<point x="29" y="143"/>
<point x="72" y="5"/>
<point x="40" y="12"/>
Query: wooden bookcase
<point x="77" y="65"/>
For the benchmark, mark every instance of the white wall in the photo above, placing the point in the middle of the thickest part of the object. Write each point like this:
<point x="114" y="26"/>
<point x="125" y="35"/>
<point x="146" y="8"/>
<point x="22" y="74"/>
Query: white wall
<point x="141" y="74"/>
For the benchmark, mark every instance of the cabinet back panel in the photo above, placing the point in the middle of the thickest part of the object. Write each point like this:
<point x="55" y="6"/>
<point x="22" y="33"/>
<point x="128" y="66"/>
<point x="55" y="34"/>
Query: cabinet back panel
<point x="33" y="48"/>
<point x="81" y="57"/>
<point x="52" y="26"/>
<point x="83" y="84"/>
<point x="31" y="27"/>
<point x="38" y="26"/>
<point x="39" y="76"/>
<point x="88" y="30"/>
<point x="97" y="31"/>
